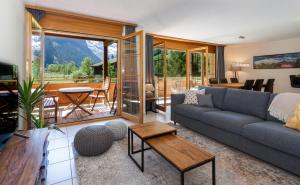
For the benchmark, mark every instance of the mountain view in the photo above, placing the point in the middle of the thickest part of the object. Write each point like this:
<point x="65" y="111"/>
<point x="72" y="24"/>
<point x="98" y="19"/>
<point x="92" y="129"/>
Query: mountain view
<point x="61" y="50"/>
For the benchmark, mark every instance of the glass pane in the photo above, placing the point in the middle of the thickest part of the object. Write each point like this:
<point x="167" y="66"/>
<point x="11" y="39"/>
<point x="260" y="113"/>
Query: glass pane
<point x="176" y="72"/>
<point x="36" y="64"/>
<point x="211" y="65"/>
<point x="36" y="56"/>
<point x="158" y="60"/>
<point x="72" y="62"/>
<point x="131" y="75"/>
<point x="195" y="69"/>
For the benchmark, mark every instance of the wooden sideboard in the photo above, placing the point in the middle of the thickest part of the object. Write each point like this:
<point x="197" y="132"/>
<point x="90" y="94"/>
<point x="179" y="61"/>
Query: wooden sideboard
<point x="24" y="161"/>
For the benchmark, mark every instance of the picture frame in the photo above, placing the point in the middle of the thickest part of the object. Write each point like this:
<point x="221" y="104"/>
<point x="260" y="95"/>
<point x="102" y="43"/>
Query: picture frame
<point x="277" y="61"/>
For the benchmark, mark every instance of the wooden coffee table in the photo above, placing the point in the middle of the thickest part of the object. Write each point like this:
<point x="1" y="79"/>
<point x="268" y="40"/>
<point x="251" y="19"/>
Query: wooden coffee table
<point x="146" y="131"/>
<point x="162" y="138"/>
<point x="182" y="154"/>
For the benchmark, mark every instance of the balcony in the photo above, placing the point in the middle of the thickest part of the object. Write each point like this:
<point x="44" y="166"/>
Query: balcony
<point x="65" y="106"/>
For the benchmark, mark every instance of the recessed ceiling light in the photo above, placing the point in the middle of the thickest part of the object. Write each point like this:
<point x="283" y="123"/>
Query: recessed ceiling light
<point x="242" y="37"/>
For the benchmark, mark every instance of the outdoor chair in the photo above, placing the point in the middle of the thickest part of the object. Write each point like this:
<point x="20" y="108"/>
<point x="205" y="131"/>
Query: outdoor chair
<point x="101" y="93"/>
<point x="51" y="101"/>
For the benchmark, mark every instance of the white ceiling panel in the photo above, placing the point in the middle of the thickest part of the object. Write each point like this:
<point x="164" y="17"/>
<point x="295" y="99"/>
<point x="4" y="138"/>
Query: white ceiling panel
<point x="218" y="21"/>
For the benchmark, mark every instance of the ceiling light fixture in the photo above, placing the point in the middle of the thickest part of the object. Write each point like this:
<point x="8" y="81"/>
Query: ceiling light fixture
<point x="242" y="37"/>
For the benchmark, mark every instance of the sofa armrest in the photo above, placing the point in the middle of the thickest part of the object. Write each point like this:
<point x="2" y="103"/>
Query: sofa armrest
<point x="177" y="99"/>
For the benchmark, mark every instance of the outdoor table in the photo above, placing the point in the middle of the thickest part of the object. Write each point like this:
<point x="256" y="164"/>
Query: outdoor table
<point x="77" y="101"/>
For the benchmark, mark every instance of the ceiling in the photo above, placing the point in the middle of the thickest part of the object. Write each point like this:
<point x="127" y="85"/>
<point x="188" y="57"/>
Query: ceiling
<point x="216" y="21"/>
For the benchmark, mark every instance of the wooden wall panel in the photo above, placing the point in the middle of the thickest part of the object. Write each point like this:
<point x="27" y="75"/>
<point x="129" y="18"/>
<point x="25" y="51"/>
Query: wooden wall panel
<point x="58" y="22"/>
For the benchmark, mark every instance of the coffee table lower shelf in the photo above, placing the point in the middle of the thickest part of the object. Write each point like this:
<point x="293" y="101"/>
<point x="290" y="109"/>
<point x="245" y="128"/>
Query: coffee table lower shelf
<point x="172" y="147"/>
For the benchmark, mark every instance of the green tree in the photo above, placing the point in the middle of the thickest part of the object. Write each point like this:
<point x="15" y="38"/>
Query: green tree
<point x="78" y="74"/>
<point x="53" y="68"/>
<point x="70" y="67"/>
<point x="176" y="63"/>
<point x="86" y="66"/>
<point x="36" y="69"/>
<point x="112" y="71"/>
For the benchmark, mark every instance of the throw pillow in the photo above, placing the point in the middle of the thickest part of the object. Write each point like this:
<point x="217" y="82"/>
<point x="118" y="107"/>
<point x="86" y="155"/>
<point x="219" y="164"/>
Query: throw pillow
<point x="294" y="120"/>
<point x="191" y="96"/>
<point x="205" y="100"/>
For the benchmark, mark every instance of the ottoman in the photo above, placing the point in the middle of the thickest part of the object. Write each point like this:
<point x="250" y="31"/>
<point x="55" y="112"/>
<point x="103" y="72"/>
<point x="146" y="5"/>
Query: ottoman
<point x="118" y="128"/>
<point x="93" y="140"/>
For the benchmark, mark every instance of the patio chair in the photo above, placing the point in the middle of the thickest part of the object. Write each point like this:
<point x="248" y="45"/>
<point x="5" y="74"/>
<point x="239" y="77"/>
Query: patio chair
<point x="113" y="109"/>
<point x="234" y="80"/>
<point x="269" y="86"/>
<point x="258" y="84"/>
<point x="51" y="101"/>
<point x="213" y="81"/>
<point x="224" y="81"/>
<point x="248" y="85"/>
<point x="101" y="93"/>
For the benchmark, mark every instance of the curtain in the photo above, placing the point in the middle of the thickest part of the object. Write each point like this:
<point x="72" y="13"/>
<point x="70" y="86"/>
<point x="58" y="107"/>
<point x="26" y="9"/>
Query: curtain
<point x="220" y="72"/>
<point x="37" y="14"/>
<point x="150" y="67"/>
<point x="129" y="29"/>
<point x="149" y="60"/>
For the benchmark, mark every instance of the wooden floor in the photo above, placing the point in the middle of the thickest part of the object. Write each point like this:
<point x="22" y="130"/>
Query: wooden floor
<point x="100" y="111"/>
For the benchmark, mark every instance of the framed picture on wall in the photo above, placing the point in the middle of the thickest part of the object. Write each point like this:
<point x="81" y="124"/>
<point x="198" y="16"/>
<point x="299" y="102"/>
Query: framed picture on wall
<point x="277" y="61"/>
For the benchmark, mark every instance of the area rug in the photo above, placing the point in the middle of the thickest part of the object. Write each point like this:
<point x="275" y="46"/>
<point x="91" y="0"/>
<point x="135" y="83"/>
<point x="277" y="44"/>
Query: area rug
<point x="232" y="167"/>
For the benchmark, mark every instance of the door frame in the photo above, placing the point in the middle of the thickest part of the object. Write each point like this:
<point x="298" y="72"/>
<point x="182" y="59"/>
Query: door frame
<point x="140" y="118"/>
<point x="28" y="61"/>
<point x="204" y="74"/>
<point x="164" y="107"/>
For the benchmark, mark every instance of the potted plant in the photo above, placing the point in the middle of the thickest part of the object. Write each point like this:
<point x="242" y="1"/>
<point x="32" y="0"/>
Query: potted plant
<point x="29" y="98"/>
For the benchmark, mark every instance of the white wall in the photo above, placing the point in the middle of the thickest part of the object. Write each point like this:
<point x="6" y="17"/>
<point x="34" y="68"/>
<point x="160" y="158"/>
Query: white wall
<point x="12" y="20"/>
<point x="244" y="53"/>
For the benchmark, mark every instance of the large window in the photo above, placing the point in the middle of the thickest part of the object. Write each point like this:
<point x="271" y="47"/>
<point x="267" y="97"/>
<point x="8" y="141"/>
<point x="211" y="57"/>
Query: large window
<point x="72" y="60"/>
<point x="197" y="58"/>
<point x="175" y="72"/>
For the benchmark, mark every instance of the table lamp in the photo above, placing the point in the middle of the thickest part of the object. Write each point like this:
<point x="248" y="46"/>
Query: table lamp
<point x="236" y="67"/>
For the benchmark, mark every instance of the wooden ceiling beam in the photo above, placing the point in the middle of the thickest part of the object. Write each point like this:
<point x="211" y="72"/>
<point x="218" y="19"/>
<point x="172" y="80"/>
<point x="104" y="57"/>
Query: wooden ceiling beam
<point x="183" y="40"/>
<point x="72" y="14"/>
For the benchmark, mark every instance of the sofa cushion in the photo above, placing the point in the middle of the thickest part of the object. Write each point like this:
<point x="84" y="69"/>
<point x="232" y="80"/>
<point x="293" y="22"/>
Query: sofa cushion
<point x="274" y="135"/>
<point x="229" y="121"/>
<point x="269" y="116"/>
<point x="217" y="93"/>
<point x="192" y="111"/>
<point x="247" y="102"/>
<point x="205" y="100"/>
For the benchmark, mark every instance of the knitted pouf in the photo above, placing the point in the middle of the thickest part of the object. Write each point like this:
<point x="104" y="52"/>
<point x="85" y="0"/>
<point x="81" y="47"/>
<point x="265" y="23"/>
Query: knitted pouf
<point x="118" y="128"/>
<point x="93" y="140"/>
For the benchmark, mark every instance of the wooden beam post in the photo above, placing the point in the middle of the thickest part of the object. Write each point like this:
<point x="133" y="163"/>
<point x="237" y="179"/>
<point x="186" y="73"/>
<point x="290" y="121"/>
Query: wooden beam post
<point x="188" y="72"/>
<point x="105" y="60"/>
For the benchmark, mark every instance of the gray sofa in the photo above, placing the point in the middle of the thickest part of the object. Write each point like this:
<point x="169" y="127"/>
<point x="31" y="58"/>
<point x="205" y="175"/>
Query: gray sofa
<point x="240" y="119"/>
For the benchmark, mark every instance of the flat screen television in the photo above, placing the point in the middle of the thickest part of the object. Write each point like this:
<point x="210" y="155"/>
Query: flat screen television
<point x="8" y="101"/>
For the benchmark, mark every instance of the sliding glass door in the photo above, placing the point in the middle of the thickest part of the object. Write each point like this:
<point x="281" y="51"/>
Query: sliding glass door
<point x="201" y="66"/>
<point x="132" y="77"/>
<point x="78" y="62"/>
